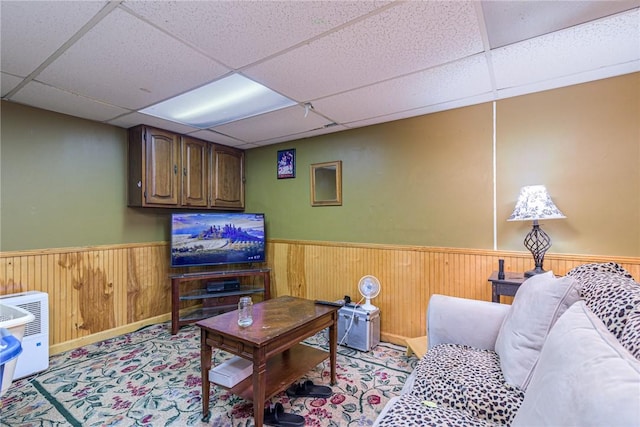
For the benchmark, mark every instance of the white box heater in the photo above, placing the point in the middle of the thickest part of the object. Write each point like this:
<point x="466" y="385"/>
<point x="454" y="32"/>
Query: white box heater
<point x="35" y="343"/>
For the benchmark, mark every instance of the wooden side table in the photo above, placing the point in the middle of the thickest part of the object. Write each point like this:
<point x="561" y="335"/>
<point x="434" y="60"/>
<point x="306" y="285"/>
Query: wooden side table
<point x="272" y="343"/>
<point x="507" y="286"/>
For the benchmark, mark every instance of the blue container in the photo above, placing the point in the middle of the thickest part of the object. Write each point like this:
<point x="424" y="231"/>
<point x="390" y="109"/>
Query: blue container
<point x="10" y="348"/>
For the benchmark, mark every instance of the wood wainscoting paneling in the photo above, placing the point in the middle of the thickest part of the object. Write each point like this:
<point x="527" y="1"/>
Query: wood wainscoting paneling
<point x="99" y="292"/>
<point x="93" y="290"/>
<point x="409" y="275"/>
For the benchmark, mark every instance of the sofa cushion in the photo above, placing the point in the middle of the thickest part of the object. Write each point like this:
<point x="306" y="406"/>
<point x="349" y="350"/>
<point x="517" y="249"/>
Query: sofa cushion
<point x="584" y="377"/>
<point x="538" y="303"/>
<point x="469" y="379"/>
<point x="408" y="411"/>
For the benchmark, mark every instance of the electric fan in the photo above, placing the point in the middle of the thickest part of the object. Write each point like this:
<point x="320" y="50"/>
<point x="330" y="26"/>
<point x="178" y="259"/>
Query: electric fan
<point x="369" y="287"/>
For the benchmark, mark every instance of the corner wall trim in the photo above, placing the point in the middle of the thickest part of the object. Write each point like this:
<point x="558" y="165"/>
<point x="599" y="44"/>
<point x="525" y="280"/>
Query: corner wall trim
<point x="495" y="179"/>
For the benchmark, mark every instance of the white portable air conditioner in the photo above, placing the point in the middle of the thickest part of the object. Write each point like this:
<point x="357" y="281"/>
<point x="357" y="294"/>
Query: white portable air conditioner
<point x="35" y="344"/>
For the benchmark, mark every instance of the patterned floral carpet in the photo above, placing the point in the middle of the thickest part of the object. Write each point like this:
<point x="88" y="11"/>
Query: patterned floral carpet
<point x="152" y="378"/>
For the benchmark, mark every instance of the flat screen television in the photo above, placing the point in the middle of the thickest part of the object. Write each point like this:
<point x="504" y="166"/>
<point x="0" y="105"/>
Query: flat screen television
<point x="212" y="238"/>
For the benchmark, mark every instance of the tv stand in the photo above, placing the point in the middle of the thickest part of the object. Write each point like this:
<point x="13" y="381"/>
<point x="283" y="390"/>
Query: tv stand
<point x="213" y="303"/>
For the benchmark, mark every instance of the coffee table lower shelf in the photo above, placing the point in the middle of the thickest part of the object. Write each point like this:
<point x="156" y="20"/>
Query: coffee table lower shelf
<point x="283" y="369"/>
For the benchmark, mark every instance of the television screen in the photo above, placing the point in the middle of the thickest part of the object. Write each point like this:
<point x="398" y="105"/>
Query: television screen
<point x="216" y="238"/>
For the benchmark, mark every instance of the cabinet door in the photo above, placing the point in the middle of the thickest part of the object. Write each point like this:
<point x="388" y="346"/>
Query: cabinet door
<point x="228" y="178"/>
<point x="161" y="167"/>
<point x="195" y="172"/>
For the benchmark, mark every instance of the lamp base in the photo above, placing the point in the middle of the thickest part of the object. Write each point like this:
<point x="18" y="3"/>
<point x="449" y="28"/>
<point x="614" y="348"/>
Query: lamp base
<point x="537" y="270"/>
<point x="537" y="241"/>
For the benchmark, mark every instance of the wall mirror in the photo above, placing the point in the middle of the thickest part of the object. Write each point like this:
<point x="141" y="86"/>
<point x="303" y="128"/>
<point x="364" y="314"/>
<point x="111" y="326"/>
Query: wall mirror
<point x="326" y="184"/>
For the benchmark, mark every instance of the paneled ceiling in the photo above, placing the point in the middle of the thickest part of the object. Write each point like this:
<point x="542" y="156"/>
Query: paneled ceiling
<point x="353" y="63"/>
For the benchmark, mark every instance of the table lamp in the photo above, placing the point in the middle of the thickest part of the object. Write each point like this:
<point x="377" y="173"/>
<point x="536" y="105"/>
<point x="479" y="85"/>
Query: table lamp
<point x="534" y="203"/>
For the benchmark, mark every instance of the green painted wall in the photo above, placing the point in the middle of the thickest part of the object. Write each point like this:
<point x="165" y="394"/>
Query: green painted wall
<point x="422" y="181"/>
<point x="583" y="143"/>
<point x="62" y="184"/>
<point x="407" y="182"/>
<point x="429" y="180"/>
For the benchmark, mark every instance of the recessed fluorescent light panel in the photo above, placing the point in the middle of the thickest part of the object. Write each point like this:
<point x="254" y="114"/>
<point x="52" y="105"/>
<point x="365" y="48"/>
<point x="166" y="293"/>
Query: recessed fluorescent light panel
<point x="223" y="101"/>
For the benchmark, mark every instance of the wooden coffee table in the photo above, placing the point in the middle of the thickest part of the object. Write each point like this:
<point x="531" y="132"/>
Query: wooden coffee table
<point x="272" y="343"/>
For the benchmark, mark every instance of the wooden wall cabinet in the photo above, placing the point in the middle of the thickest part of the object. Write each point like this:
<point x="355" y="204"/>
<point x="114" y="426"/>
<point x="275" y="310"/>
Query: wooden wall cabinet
<point x="195" y="172"/>
<point x="170" y="170"/>
<point x="153" y="167"/>
<point x="227" y="179"/>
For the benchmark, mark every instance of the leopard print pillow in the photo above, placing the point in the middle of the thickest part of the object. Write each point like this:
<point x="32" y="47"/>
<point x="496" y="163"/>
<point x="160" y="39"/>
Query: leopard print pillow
<point x="468" y="379"/>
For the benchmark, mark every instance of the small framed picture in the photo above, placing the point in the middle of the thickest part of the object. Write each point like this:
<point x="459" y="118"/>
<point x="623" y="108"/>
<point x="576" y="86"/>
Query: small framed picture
<point x="287" y="163"/>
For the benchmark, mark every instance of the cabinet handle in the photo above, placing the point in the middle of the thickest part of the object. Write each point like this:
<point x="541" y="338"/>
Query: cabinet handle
<point x="184" y="171"/>
<point x="175" y="169"/>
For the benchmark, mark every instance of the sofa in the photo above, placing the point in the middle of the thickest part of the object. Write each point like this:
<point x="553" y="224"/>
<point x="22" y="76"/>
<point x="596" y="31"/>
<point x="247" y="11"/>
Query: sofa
<point x="566" y="352"/>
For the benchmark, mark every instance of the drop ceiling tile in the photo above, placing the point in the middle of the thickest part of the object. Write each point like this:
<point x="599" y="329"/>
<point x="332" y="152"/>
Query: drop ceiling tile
<point x="127" y="62"/>
<point x="578" y="49"/>
<point x="246" y="146"/>
<point x="320" y="131"/>
<point x="31" y="31"/>
<point x="273" y="125"/>
<point x="513" y="21"/>
<point x="461" y="79"/>
<point x="448" y="105"/>
<point x="301" y="135"/>
<point x="238" y="33"/>
<point x="135" y="118"/>
<point x="373" y="49"/>
<point x="352" y="56"/>
<point x="50" y="98"/>
<point x="9" y="82"/>
<point x="218" y="138"/>
<point x="573" y="79"/>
